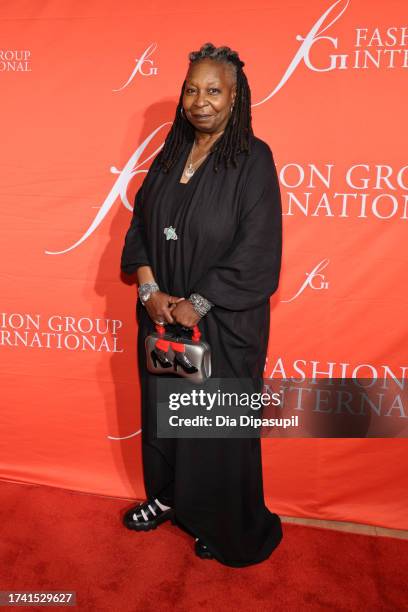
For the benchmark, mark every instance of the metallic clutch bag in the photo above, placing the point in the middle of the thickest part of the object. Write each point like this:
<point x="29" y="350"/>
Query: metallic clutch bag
<point x="177" y="352"/>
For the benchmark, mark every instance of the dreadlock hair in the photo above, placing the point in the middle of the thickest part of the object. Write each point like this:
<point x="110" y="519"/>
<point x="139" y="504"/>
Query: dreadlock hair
<point x="236" y="136"/>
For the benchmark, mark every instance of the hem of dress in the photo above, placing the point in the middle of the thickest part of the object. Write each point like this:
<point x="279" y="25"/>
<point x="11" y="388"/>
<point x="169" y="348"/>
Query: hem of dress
<point x="276" y="538"/>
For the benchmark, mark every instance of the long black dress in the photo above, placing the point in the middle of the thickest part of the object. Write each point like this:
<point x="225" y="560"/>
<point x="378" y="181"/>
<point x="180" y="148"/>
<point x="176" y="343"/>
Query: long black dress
<point x="229" y="228"/>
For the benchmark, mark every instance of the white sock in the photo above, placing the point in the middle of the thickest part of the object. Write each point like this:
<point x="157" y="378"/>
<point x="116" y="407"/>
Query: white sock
<point x="161" y="506"/>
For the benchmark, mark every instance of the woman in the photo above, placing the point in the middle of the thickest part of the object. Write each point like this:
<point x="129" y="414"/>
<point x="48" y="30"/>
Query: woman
<point x="206" y="239"/>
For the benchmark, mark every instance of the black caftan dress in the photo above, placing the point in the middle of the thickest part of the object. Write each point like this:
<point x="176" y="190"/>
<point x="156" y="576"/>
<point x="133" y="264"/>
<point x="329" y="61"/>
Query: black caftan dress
<point x="228" y="249"/>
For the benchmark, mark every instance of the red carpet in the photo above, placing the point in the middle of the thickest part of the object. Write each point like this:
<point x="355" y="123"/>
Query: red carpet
<point x="53" y="539"/>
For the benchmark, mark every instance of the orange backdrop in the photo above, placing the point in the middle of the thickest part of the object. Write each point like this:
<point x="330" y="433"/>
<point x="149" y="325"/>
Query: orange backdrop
<point x="88" y="94"/>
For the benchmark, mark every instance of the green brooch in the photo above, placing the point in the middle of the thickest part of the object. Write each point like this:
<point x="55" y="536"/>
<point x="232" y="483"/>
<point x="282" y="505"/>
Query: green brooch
<point x="170" y="233"/>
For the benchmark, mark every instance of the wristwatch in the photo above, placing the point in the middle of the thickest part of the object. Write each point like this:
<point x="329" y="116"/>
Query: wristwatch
<point x="145" y="291"/>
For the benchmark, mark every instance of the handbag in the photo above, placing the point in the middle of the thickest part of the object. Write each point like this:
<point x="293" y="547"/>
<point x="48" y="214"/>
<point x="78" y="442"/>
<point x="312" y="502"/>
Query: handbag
<point x="178" y="352"/>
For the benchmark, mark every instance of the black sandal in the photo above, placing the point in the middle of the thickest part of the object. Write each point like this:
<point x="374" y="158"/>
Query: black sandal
<point x="134" y="519"/>
<point x="202" y="550"/>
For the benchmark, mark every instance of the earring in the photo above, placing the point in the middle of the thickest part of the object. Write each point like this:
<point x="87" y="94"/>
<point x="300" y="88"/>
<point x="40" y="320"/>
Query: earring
<point x="231" y="108"/>
<point x="182" y="112"/>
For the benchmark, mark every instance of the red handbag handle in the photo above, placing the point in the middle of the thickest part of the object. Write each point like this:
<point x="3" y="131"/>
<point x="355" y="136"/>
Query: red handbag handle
<point x="161" y="329"/>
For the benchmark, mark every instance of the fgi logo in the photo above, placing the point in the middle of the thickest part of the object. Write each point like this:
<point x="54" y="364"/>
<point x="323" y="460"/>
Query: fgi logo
<point x="321" y="282"/>
<point x="144" y="66"/>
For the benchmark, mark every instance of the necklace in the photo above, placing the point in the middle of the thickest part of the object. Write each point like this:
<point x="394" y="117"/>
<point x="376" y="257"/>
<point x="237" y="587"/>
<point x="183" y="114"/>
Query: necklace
<point x="190" y="169"/>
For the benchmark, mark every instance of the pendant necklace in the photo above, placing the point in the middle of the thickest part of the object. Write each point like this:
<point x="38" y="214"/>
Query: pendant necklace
<point x="170" y="232"/>
<point x="190" y="170"/>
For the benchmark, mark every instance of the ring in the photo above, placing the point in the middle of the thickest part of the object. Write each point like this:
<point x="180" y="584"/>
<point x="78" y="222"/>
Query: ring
<point x="160" y="322"/>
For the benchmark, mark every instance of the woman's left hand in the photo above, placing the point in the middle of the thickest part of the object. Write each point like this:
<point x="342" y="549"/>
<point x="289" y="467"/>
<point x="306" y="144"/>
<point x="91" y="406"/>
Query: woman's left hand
<point x="183" y="312"/>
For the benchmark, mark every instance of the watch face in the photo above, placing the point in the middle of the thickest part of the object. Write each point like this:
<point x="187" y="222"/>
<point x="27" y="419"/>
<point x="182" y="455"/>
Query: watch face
<point x="144" y="295"/>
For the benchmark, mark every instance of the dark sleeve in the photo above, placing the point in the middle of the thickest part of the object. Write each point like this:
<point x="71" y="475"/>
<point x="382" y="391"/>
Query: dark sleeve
<point x="248" y="272"/>
<point x="134" y="253"/>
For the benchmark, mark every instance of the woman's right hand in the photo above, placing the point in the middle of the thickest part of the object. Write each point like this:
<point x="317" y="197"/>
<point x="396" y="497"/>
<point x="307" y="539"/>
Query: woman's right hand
<point x="159" y="306"/>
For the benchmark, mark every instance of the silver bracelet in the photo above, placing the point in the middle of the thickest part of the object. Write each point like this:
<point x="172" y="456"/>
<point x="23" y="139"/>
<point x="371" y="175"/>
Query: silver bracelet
<point x="200" y="304"/>
<point x="145" y="290"/>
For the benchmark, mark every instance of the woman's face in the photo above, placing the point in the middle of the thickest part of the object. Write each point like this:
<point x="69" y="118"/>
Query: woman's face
<point x="208" y="95"/>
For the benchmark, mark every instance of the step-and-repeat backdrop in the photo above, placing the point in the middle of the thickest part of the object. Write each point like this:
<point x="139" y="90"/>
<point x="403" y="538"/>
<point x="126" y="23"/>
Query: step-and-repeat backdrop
<point x="89" y="91"/>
